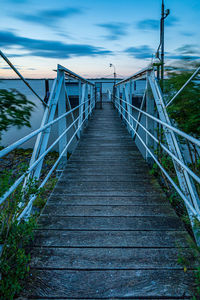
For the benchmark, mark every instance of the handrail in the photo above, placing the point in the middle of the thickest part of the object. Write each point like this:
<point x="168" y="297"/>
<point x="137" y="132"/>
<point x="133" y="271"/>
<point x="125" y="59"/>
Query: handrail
<point x="185" y="187"/>
<point x="22" y="78"/>
<point x="134" y="76"/>
<point x="182" y="88"/>
<point x="197" y="178"/>
<point x="165" y="172"/>
<point x="74" y="75"/>
<point x="53" y="167"/>
<point x="160" y="166"/>
<point x="178" y="131"/>
<point x="16" y="184"/>
<point x="58" y="98"/>
<point x="35" y="132"/>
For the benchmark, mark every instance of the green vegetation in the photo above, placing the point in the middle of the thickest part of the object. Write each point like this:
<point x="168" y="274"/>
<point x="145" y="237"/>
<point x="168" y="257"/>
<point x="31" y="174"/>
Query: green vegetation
<point x="14" y="235"/>
<point x="193" y="257"/>
<point x="15" y="109"/>
<point x="185" y="109"/>
<point x="14" y="261"/>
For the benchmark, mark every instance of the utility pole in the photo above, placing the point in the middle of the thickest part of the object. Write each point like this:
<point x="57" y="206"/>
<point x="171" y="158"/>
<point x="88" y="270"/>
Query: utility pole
<point x="162" y="40"/>
<point x="161" y="49"/>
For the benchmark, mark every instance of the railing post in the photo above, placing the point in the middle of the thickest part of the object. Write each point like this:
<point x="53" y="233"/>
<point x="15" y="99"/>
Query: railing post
<point x="79" y="101"/>
<point x="95" y="96"/>
<point x="131" y="102"/>
<point x="149" y="123"/>
<point x="44" y="137"/>
<point x="117" y="98"/>
<point x="92" y="97"/>
<point x="62" y="124"/>
<point x="86" y="104"/>
<point x="123" y="103"/>
<point x="120" y="109"/>
<point x="81" y="108"/>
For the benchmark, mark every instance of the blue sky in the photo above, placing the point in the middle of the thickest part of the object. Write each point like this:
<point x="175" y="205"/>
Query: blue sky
<point x="85" y="36"/>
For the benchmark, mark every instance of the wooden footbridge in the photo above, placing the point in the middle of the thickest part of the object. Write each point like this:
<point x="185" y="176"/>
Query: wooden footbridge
<point x="108" y="231"/>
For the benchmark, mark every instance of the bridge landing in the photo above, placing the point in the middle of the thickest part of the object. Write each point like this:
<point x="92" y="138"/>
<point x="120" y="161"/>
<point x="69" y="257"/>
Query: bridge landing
<point x="107" y="231"/>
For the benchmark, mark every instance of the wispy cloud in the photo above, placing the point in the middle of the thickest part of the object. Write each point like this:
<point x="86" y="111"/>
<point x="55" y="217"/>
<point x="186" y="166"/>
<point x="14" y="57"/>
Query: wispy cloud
<point x="49" y="48"/>
<point x="188" y="49"/>
<point x="49" y="17"/>
<point x="186" y="52"/>
<point x="141" y="52"/>
<point x="115" y="30"/>
<point x="148" y="24"/>
<point x="188" y="34"/>
<point x="153" y="24"/>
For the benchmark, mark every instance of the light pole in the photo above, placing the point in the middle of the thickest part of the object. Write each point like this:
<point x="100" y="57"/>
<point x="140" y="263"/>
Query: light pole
<point x="111" y="65"/>
<point x="161" y="51"/>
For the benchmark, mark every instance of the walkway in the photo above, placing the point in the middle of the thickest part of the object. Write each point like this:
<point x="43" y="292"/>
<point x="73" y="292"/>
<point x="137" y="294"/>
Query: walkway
<point x="107" y="231"/>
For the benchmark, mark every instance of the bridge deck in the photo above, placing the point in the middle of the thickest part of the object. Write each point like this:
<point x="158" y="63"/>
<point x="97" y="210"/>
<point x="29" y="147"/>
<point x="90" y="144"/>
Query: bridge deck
<point x="107" y="231"/>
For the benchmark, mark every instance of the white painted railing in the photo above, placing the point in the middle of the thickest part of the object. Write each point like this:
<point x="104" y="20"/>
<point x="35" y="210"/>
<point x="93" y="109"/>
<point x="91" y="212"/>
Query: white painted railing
<point x="154" y="114"/>
<point x="58" y="103"/>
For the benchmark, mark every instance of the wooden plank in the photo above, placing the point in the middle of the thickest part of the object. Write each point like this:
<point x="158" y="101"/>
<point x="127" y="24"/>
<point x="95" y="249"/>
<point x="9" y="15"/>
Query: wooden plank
<point x="109" y="284"/>
<point x="107" y="191"/>
<point x="114" y="193"/>
<point x="106" y="258"/>
<point x="106" y="200"/>
<point x="109" y="161"/>
<point x="110" y="185"/>
<point x="108" y="210"/>
<point x="110" y="223"/>
<point x="122" y="163"/>
<point x="108" y="178"/>
<point x="140" y="239"/>
<point x="98" y="170"/>
<point x="106" y="153"/>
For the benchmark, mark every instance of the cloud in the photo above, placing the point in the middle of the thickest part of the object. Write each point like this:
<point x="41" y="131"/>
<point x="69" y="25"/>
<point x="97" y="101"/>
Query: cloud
<point x="171" y="21"/>
<point x="183" y="57"/>
<point x="188" y="49"/>
<point x="115" y="30"/>
<point x="148" y="24"/>
<point x="49" y="17"/>
<point x="141" y="52"/>
<point x="154" y="24"/>
<point x="186" y="52"/>
<point x="49" y="48"/>
<point x="5" y="68"/>
<point x="188" y="34"/>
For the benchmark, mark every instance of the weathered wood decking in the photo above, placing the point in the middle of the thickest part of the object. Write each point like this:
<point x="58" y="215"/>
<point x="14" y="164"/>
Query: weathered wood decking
<point x="107" y="231"/>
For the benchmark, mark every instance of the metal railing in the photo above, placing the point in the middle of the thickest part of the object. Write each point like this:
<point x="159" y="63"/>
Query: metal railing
<point x="143" y="123"/>
<point x="59" y="104"/>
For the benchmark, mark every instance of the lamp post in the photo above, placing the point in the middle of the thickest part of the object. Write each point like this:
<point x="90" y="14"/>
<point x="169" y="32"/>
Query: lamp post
<point x="161" y="51"/>
<point x="111" y="65"/>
